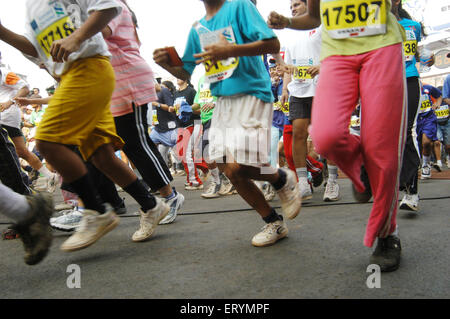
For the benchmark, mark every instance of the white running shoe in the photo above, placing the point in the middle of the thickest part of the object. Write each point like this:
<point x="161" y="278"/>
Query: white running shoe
<point x="305" y="190"/>
<point x="331" y="192"/>
<point x="150" y="219"/>
<point x="290" y="197"/>
<point x="41" y="184"/>
<point x="52" y="182"/>
<point x="410" y="202"/>
<point x="270" y="234"/>
<point x="269" y="192"/>
<point x="193" y="186"/>
<point x="426" y="172"/>
<point x="225" y="187"/>
<point x="68" y="221"/>
<point x="175" y="206"/>
<point x="93" y="226"/>
<point x="212" y="191"/>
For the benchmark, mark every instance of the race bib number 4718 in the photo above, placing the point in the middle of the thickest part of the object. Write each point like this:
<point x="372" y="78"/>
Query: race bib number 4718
<point x="354" y="18"/>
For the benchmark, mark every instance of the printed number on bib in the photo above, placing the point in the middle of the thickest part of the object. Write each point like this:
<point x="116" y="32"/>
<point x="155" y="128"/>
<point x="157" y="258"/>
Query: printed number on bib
<point x="425" y="106"/>
<point x="221" y="70"/>
<point x="442" y="112"/>
<point x="283" y="108"/>
<point x="59" y="30"/>
<point x="354" y="18"/>
<point x="301" y="74"/>
<point x="410" y="48"/>
<point x="205" y="96"/>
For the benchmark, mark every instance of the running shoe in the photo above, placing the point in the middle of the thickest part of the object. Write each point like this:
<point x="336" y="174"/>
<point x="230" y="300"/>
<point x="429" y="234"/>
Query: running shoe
<point x="93" y="226"/>
<point x="68" y="221"/>
<point x="150" y="219"/>
<point x="305" y="190"/>
<point x="63" y="206"/>
<point x="120" y="209"/>
<point x="212" y="190"/>
<point x="290" y="196"/>
<point x="331" y="191"/>
<point x="269" y="192"/>
<point x="365" y="196"/>
<point x="41" y="184"/>
<point x="438" y="166"/>
<point x="410" y="202"/>
<point x="387" y="253"/>
<point x="426" y="172"/>
<point x="193" y="186"/>
<point x="35" y="232"/>
<point x="270" y="234"/>
<point x="175" y="206"/>
<point x="52" y="182"/>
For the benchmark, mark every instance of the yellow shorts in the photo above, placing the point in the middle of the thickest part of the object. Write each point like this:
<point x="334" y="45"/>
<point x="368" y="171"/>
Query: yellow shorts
<point x="79" y="113"/>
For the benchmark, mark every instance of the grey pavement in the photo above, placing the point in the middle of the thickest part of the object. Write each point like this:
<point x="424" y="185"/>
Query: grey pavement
<point x="207" y="253"/>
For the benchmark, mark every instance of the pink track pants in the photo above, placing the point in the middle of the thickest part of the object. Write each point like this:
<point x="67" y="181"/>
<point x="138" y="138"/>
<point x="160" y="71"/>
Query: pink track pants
<point x="378" y="78"/>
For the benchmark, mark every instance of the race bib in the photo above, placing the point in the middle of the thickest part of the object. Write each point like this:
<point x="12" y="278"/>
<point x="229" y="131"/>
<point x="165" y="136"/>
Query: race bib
<point x="222" y="69"/>
<point x="410" y="45"/>
<point x="155" y="117"/>
<point x="284" y="108"/>
<point x="442" y="113"/>
<point x="301" y="74"/>
<point x="205" y="95"/>
<point x="353" y="18"/>
<point x="355" y="122"/>
<point x="54" y="25"/>
<point x="425" y="106"/>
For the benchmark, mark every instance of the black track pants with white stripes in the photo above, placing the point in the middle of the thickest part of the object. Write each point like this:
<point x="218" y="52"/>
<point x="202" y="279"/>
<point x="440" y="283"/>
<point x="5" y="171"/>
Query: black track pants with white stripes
<point x="139" y="148"/>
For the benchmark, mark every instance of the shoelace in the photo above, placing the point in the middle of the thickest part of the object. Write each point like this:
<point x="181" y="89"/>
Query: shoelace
<point x="211" y="188"/>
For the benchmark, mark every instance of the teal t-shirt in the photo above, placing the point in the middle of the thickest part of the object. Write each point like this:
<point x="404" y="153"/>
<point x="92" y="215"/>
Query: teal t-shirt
<point x="413" y="36"/>
<point x="250" y="77"/>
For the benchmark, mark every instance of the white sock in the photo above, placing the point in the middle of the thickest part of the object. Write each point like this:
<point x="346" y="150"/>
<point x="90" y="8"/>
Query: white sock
<point x="13" y="205"/>
<point x="302" y="172"/>
<point x="303" y="180"/>
<point x="439" y="163"/>
<point x="215" y="174"/>
<point x="332" y="173"/>
<point x="395" y="232"/>
<point x="426" y="160"/>
<point x="44" y="171"/>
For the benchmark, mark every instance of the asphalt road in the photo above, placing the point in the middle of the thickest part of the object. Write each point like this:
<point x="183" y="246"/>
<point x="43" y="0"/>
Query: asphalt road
<point x="207" y="253"/>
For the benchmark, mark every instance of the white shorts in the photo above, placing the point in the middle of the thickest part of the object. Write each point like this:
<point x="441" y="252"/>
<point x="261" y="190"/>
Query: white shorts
<point x="241" y="130"/>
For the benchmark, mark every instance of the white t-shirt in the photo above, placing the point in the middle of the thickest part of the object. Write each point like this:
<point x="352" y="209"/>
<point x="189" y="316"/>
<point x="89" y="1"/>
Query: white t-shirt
<point x="49" y="20"/>
<point x="10" y="85"/>
<point x="304" y="51"/>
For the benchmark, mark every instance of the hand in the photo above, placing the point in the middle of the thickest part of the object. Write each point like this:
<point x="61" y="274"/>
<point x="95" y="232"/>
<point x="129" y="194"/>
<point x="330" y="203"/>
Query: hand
<point x="61" y="49"/>
<point x="207" y="107"/>
<point x="435" y="107"/>
<point x="22" y="101"/>
<point x="222" y="50"/>
<point x="172" y="109"/>
<point x="284" y="98"/>
<point x="161" y="57"/>
<point x="314" y="70"/>
<point x="6" y="105"/>
<point x="277" y="21"/>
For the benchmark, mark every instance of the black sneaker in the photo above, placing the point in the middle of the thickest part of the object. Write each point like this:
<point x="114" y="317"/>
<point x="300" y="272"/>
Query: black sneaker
<point x="365" y="196"/>
<point x="36" y="232"/>
<point x="120" y="209"/>
<point x="387" y="253"/>
<point x="317" y="179"/>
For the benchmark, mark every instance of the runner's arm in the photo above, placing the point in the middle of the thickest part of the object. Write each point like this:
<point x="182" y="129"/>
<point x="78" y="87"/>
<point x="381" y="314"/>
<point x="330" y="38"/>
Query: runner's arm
<point x="309" y="20"/>
<point x="17" y="41"/>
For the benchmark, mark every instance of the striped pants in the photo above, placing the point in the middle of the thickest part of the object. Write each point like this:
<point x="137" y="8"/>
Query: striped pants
<point x="378" y="78"/>
<point x="140" y="149"/>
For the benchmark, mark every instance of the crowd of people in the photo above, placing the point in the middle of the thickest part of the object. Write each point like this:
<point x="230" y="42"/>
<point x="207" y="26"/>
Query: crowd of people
<point x="260" y="122"/>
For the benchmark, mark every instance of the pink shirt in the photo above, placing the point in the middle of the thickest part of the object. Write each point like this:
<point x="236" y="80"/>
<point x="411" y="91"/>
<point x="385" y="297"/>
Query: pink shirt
<point x="134" y="77"/>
